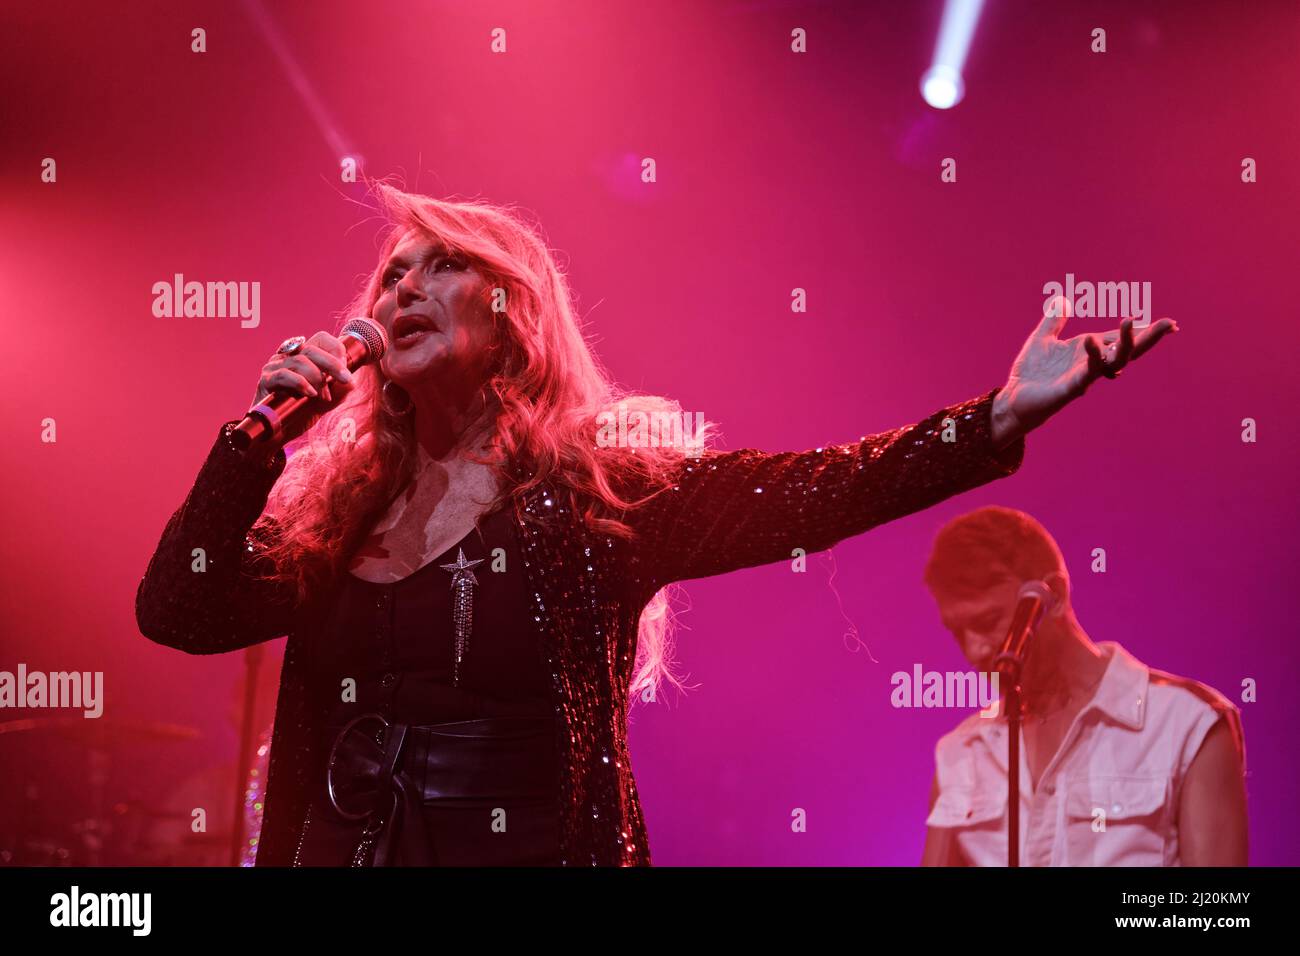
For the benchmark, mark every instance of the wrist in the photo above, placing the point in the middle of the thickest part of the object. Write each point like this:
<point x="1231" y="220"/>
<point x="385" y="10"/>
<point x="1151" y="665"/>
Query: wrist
<point x="1004" y="426"/>
<point x="263" y="455"/>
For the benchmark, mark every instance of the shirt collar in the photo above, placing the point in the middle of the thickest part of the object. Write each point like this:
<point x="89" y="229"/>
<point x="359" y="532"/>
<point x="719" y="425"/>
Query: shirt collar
<point x="1121" y="694"/>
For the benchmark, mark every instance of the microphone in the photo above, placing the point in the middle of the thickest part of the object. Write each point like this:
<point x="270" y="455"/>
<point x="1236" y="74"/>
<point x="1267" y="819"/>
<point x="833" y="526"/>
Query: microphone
<point x="1034" y="599"/>
<point x="364" y="340"/>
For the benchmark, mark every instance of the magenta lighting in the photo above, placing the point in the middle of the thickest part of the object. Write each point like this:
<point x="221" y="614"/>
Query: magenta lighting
<point x="941" y="85"/>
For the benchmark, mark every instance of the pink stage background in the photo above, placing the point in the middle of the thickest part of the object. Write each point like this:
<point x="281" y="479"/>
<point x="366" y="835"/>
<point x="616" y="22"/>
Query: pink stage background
<point x="775" y="171"/>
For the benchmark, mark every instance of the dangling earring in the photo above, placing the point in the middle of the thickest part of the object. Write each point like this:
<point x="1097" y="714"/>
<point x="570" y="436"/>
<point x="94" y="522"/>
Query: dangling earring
<point x="385" y="400"/>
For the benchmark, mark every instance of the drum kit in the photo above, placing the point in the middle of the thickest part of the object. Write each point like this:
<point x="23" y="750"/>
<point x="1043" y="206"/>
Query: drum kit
<point x="78" y="802"/>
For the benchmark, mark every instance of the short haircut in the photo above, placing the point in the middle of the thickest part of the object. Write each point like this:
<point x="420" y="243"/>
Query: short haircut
<point x="974" y="551"/>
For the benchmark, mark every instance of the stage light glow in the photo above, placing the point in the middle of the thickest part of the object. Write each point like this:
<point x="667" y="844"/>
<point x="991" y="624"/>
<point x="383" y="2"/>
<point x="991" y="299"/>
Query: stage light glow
<point x="942" y="85"/>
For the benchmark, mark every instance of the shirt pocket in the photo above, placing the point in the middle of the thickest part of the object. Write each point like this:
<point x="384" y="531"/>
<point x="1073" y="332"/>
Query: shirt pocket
<point x="1116" y="820"/>
<point x="967" y="807"/>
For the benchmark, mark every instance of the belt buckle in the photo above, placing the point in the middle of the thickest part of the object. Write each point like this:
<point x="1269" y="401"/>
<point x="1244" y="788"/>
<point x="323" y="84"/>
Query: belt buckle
<point x="385" y="726"/>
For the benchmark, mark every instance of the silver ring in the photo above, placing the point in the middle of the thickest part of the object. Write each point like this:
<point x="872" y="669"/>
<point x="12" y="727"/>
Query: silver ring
<point x="291" y="345"/>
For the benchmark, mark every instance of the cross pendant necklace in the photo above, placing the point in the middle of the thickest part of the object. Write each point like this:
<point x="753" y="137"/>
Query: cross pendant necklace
<point x="462" y="609"/>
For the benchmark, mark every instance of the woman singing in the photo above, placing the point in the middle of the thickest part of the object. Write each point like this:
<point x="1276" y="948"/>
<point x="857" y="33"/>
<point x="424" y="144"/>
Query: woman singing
<point x="471" y="574"/>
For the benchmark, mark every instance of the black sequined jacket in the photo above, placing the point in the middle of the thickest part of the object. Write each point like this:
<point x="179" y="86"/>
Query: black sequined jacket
<point x="725" y="511"/>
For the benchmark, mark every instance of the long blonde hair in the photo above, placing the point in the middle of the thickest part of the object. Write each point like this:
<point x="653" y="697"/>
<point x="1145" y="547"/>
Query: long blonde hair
<point x="549" y="391"/>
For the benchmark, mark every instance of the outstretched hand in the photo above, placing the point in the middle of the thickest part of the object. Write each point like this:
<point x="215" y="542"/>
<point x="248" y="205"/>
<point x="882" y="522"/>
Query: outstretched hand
<point x="1050" y="372"/>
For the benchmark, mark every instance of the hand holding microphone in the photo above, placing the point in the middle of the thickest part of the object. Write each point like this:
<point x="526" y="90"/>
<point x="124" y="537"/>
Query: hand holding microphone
<point x="304" y="380"/>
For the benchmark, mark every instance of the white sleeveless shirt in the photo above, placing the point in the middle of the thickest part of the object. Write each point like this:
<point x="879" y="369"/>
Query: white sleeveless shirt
<point x="1108" y="797"/>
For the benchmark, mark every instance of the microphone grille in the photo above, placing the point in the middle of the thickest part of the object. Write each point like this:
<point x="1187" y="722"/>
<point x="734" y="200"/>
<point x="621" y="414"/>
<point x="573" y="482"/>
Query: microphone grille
<point x="1038" y="589"/>
<point x="370" y="332"/>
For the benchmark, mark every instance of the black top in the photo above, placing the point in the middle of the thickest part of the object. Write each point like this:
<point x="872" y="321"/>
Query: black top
<point x="396" y="642"/>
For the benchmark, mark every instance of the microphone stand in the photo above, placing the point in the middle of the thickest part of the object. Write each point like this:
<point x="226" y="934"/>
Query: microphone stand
<point x="1009" y="666"/>
<point x="252" y="662"/>
<point x="1030" y="605"/>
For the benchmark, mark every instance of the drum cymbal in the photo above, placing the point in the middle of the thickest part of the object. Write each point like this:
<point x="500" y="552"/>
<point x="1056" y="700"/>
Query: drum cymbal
<point x="100" y="730"/>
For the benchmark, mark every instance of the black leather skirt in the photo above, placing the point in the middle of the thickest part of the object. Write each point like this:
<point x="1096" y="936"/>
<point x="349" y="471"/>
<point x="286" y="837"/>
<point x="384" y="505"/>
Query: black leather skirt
<point x="468" y="793"/>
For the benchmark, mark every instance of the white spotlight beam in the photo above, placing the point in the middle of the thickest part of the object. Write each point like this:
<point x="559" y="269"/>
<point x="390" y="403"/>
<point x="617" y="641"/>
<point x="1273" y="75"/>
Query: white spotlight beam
<point x="942" y="85"/>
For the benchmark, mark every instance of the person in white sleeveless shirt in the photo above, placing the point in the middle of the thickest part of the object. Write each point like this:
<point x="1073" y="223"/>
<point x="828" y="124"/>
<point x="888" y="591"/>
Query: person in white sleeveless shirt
<point x="1120" y="765"/>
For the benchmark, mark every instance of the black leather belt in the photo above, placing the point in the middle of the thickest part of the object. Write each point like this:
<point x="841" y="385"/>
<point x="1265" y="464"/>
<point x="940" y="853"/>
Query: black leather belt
<point x="382" y="772"/>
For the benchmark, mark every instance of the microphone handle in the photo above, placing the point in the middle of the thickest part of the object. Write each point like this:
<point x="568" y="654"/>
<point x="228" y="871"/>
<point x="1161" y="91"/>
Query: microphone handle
<point x="1028" y="613"/>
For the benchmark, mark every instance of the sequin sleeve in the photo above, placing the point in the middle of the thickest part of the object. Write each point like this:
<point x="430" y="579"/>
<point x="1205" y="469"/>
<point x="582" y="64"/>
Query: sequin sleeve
<point x="738" y="509"/>
<point x="226" y="605"/>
